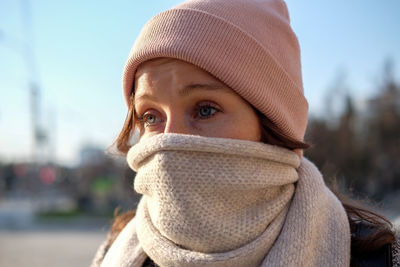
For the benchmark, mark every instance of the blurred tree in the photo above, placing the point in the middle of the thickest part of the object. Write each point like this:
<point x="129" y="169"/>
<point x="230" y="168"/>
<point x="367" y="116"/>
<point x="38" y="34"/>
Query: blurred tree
<point x="362" y="149"/>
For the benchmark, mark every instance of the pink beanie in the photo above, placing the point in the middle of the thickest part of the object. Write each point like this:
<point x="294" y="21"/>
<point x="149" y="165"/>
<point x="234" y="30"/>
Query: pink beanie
<point x="247" y="44"/>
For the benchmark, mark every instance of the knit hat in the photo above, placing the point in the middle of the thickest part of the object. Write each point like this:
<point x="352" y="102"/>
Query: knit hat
<point x="247" y="44"/>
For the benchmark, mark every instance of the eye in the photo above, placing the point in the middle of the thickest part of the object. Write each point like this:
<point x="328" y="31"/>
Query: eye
<point x="206" y="111"/>
<point x="148" y="119"/>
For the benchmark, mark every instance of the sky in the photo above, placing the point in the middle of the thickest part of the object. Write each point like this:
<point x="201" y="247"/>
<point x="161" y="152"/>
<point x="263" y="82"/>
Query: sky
<point x="79" y="49"/>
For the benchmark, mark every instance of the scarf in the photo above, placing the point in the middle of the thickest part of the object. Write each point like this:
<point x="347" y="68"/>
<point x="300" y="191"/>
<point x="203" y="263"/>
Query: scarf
<point x="224" y="202"/>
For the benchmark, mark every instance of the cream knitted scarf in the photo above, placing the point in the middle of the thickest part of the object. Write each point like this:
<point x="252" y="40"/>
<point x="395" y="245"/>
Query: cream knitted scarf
<point x="224" y="202"/>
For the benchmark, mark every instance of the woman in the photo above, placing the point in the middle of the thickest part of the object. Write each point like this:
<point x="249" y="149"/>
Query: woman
<point x="214" y="89"/>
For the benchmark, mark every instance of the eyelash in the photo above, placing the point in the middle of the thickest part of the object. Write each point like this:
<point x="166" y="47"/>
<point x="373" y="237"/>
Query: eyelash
<point x="200" y="106"/>
<point x="142" y="118"/>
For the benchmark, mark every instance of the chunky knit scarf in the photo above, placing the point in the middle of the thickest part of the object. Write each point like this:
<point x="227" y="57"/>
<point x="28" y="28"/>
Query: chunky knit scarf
<point x="224" y="202"/>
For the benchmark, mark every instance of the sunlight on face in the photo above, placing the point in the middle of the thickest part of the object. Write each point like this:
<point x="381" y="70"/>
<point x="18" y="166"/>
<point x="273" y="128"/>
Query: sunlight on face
<point x="173" y="96"/>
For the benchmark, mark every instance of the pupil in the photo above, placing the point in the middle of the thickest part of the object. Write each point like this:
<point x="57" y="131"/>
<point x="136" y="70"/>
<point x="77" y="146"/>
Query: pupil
<point x="205" y="111"/>
<point x="150" y="119"/>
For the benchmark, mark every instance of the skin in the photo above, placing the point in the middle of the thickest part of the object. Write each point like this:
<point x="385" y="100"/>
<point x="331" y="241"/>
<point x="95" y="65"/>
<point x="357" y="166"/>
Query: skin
<point x="173" y="96"/>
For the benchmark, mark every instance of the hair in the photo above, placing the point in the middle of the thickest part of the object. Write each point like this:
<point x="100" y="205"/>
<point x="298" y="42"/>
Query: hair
<point x="381" y="235"/>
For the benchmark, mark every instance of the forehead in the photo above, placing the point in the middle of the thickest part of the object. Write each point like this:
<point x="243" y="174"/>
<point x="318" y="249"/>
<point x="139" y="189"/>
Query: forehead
<point x="170" y="69"/>
<point x="167" y="76"/>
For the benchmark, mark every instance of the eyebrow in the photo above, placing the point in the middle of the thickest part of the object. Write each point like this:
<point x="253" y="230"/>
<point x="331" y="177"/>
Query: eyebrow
<point x="198" y="86"/>
<point x="188" y="89"/>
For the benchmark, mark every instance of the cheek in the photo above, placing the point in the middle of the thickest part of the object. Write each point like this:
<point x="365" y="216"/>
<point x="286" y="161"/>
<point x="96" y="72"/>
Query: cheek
<point x="237" y="127"/>
<point x="247" y="131"/>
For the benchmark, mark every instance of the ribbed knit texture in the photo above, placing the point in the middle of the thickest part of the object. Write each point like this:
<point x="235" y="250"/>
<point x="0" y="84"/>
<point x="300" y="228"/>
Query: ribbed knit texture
<point x="247" y="44"/>
<point x="225" y="202"/>
<point x="396" y="244"/>
<point x="125" y="250"/>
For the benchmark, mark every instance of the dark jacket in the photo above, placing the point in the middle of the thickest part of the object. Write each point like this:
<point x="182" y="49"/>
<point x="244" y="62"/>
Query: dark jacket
<point x="385" y="256"/>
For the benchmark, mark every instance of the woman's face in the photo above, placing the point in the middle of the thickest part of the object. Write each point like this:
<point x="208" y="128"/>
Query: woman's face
<point x="173" y="96"/>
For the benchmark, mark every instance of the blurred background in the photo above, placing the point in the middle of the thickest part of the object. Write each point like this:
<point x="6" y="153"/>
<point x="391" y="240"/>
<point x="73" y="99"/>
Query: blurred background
<point x="61" y="107"/>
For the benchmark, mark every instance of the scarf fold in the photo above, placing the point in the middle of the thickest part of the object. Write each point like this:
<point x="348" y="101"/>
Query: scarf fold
<point x="224" y="202"/>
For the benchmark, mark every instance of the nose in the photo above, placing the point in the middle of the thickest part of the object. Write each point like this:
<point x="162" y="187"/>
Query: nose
<point x="177" y="124"/>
